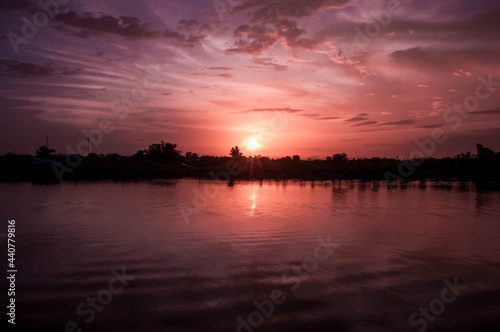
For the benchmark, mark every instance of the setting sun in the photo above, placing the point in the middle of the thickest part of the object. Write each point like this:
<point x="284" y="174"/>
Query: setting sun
<point x="253" y="144"/>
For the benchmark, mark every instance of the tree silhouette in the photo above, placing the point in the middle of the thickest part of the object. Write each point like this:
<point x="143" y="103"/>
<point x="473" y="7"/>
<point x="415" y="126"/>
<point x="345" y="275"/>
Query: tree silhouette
<point x="44" y="152"/>
<point x="340" y="157"/>
<point x="236" y="152"/>
<point x="464" y="156"/>
<point x="161" y="152"/>
<point x="164" y="151"/>
<point x="141" y="154"/>
<point x="484" y="153"/>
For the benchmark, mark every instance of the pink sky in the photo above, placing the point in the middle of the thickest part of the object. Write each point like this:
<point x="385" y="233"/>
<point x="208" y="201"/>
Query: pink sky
<point x="223" y="79"/>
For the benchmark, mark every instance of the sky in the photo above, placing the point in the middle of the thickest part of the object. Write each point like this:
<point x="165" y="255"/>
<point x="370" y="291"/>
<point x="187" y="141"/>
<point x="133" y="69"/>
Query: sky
<point x="275" y="77"/>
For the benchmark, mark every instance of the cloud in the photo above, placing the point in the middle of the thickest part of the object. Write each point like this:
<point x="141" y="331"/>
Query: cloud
<point x="365" y="123"/>
<point x="188" y="24"/>
<point x="315" y="116"/>
<point x="476" y="31"/>
<point x="488" y="112"/>
<point x="268" y="62"/>
<point x="397" y="123"/>
<point x="431" y="126"/>
<point x="95" y="24"/>
<point x="285" y="110"/>
<point x="258" y="39"/>
<point x="125" y="26"/>
<point x="219" y="68"/>
<point x="8" y="5"/>
<point x="27" y="69"/>
<point x="444" y="61"/>
<point x="466" y="73"/>
<point x="437" y="107"/>
<point x="213" y="75"/>
<point x="356" y="118"/>
<point x="329" y="118"/>
<point x="271" y="23"/>
<point x="424" y="57"/>
<point x="279" y="9"/>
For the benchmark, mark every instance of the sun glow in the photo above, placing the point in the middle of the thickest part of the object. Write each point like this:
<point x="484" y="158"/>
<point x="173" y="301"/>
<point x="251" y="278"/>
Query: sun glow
<point x="253" y="144"/>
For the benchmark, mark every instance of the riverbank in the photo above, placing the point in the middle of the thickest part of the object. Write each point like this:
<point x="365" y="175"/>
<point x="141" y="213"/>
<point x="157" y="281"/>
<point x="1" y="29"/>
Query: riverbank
<point x="29" y="168"/>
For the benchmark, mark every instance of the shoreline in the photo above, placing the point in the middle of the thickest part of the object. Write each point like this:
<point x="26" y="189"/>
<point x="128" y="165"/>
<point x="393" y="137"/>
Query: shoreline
<point x="29" y="168"/>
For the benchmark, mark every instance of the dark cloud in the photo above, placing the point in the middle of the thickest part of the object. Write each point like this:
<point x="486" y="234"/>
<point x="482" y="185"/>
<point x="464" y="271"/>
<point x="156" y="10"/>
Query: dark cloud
<point x="356" y="118"/>
<point x="259" y="37"/>
<point x="365" y="123"/>
<point x="488" y="112"/>
<point x="219" y="68"/>
<point x="418" y="56"/>
<point x="27" y="69"/>
<point x="193" y="40"/>
<point x="315" y="116"/>
<point x="469" y="26"/>
<point x="188" y="24"/>
<point x="431" y="126"/>
<point x="478" y="26"/>
<point x="95" y="24"/>
<point x="70" y="71"/>
<point x="271" y="23"/>
<point x="397" y="123"/>
<point x="279" y="9"/>
<point x="446" y="61"/>
<point x="125" y="26"/>
<point x="329" y="118"/>
<point x="8" y="5"/>
<point x="285" y="110"/>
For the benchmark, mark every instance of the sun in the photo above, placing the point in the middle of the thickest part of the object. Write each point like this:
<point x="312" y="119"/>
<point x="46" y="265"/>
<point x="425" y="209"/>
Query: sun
<point x="253" y="144"/>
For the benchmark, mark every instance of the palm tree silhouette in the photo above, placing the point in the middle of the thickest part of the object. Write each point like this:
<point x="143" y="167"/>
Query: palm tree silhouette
<point x="236" y="152"/>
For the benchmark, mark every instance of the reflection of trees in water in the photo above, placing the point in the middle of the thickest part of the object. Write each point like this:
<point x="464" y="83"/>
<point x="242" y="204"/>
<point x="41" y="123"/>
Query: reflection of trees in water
<point x="483" y="199"/>
<point x="368" y="185"/>
<point x="339" y="190"/>
<point x="443" y="185"/>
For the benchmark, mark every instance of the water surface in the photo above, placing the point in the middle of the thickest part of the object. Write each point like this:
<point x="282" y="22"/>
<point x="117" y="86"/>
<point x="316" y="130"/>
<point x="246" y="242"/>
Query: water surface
<point x="394" y="248"/>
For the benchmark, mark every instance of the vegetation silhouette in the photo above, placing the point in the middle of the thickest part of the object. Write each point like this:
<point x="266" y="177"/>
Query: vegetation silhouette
<point x="236" y="152"/>
<point x="44" y="152"/>
<point x="165" y="152"/>
<point x="163" y="160"/>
